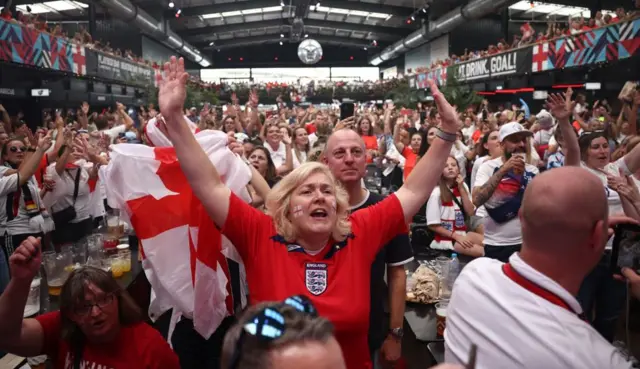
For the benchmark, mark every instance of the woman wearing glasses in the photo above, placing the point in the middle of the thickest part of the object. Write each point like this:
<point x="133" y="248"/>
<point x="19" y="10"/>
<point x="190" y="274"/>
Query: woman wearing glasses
<point x="308" y="243"/>
<point x="98" y="325"/>
<point x="20" y="197"/>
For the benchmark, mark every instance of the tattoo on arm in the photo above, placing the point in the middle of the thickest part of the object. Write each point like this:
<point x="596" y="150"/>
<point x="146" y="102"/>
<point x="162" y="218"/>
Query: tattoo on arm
<point x="484" y="192"/>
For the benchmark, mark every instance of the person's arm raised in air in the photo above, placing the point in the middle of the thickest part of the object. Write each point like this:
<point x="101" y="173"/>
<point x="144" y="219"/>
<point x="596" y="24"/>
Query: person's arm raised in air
<point x="20" y="336"/>
<point x="200" y="172"/>
<point x="427" y="172"/>
<point x="561" y="108"/>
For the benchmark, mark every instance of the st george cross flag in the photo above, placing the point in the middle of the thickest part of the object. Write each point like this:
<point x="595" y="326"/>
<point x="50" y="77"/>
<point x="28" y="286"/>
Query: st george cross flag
<point x="184" y="253"/>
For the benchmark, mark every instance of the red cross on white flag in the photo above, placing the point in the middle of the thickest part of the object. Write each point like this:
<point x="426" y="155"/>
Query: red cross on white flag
<point x="79" y="60"/>
<point x="184" y="253"/>
<point x="540" y="58"/>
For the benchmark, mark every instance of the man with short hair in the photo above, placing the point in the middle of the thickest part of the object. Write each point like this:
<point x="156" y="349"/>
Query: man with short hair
<point x="528" y="304"/>
<point x="499" y="186"/>
<point x="345" y="154"/>
<point x="284" y="336"/>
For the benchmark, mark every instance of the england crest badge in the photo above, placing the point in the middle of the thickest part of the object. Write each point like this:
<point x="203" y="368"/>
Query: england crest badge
<point x="316" y="278"/>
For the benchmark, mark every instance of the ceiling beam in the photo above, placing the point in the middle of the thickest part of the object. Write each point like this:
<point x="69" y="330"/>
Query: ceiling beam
<point x="399" y="11"/>
<point x="206" y="32"/>
<point x="194" y="11"/>
<point x="255" y="40"/>
<point x="347" y="26"/>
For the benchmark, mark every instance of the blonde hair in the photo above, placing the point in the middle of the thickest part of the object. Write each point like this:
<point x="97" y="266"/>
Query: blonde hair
<point x="279" y="201"/>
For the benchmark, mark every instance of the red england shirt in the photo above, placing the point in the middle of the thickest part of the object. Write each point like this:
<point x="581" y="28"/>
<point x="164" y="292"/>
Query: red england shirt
<point x="337" y="279"/>
<point x="138" y="346"/>
<point x="42" y="168"/>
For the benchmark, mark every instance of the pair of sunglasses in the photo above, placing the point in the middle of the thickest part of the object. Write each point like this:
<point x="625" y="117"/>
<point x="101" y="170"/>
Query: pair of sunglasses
<point x="17" y="149"/>
<point x="268" y="324"/>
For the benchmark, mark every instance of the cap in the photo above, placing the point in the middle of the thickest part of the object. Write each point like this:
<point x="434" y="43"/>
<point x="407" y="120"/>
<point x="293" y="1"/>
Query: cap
<point x="511" y="129"/>
<point x="545" y="120"/>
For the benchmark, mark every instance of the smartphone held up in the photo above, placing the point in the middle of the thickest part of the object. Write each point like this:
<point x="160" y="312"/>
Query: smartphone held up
<point x="626" y="248"/>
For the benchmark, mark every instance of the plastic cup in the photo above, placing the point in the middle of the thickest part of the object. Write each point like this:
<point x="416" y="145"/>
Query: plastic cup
<point x="441" y="317"/>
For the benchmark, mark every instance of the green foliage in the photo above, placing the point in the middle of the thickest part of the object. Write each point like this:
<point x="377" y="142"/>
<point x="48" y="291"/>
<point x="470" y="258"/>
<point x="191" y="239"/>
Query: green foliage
<point x="196" y="96"/>
<point x="403" y="95"/>
<point x="459" y="95"/>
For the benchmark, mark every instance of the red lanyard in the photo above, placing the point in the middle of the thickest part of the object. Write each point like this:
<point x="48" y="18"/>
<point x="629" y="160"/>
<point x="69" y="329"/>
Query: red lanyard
<point x="534" y="288"/>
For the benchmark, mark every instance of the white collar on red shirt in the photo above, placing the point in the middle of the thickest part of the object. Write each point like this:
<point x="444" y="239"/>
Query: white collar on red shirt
<point x="543" y="281"/>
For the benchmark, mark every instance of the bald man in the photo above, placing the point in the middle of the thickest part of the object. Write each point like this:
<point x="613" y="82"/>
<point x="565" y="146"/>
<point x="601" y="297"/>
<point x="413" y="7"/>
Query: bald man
<point x="345" y="154"/>
<point x="523" y="314"/>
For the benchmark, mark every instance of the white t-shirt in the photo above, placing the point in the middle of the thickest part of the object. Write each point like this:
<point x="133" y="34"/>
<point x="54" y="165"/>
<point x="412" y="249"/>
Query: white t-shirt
<point x="515" y="328"/>
<point x="296" y="162"/>
<point x="62" y="195"/>
<point x="22" y="223"/>
<point x="458" y="151"/>
<point x="543" y="137"/>
<point x="507" y="233"/>
<point x="278" y="156"/>
<point x="115" y="131"/>
<point x="613" y="199"/>
<point x="481" y="211"/>
<point x="449" y="217"/>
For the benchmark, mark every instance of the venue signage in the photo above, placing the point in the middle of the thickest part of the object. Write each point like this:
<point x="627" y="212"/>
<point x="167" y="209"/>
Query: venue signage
<point x="503" y="64"/>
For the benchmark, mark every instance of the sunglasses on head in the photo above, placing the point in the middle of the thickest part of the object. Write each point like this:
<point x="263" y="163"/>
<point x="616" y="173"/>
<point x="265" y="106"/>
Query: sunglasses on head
<point x="17" y="149"/>
<point x="269" y="324"/>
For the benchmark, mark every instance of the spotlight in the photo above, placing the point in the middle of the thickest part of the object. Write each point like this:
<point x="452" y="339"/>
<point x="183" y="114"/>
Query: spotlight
<point x="375" y="43"/>
<point x="282" y="3"/>
<point x="241" y="59"/>
<point x="408" y="21"/>
<point x="178" y="13"/>
<point x="276" y="58"/>
<point x="424" y="10"/>
<point x="211" y="43"/>
<point x="229" y="59"/>
<point x="365" y="48"/>
<point x="413" y="18"/>
<point x="280" y="43"/>
<point x="282" y="35"/>
<point x="306" y="35"/>
<point x="171" y="4"/>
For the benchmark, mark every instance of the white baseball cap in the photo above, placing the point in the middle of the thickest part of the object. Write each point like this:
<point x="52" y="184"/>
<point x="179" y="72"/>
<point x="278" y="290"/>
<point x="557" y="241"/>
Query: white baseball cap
<point x="511" y="129"/>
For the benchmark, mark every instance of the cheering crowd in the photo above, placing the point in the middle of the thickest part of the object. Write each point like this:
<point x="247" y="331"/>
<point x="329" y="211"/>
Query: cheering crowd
<point x="286" y="212"/>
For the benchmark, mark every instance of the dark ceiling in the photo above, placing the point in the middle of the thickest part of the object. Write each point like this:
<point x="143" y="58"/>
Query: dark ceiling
<point x="267" y="32"/>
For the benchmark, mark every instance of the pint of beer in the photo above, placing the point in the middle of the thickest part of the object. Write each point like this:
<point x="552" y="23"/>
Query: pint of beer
<point x="55" y="286"/>
<point x="441" y="317"/>
<point x="524" y="158"/>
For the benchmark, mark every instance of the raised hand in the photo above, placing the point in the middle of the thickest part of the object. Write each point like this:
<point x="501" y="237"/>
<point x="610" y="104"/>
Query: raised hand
<point x="560" y="106"/>
<point x="44" y="141"/>
<point x="253" y="98"/>
<point x="25" y="261"/>
<point x="173" y="90"/>
<point x="449" y="115"/>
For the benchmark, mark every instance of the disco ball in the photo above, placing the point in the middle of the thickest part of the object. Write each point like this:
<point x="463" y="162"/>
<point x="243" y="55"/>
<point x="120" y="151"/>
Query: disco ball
<point x="310" y="51"/>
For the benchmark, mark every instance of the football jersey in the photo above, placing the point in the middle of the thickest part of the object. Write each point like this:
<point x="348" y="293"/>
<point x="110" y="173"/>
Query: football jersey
<point x="337" y="279"/>
<point x="137" y="346"/>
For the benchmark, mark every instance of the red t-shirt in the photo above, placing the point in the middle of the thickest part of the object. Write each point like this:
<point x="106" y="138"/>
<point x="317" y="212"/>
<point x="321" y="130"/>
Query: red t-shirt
<point x="370" y="143"/>
<point x="138" y="346"/>
<point x="337" y="279"/>
<point x="410" y="159"/>
<point x="42" y="169"/>
<point x="311" y="128"/>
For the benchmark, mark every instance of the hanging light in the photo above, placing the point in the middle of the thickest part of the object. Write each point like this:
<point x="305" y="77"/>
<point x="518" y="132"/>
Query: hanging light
<point x="171" y="4"/>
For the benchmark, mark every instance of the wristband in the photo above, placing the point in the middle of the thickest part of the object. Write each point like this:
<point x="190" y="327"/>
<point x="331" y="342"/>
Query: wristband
<point x="31" y="149"/>
<point x="446" y="136"/>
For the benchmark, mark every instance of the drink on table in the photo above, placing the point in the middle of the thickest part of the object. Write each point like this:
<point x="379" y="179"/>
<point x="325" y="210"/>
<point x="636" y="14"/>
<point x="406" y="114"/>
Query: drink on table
<point x="32" y="307"/>
<point x="441" y="317"/>
<point x="117" y="266"/>
<point x="125" y="254"/>
<point x="55" y="286"/>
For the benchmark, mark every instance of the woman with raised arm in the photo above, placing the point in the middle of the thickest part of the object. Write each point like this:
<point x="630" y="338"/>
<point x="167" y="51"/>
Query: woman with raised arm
<point x="308" y="243"/>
